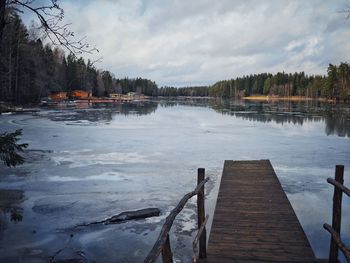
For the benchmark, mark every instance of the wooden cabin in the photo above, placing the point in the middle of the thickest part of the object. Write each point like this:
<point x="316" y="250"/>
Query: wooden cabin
<point x="58" y="96"/>
<point x="80" y="94"/>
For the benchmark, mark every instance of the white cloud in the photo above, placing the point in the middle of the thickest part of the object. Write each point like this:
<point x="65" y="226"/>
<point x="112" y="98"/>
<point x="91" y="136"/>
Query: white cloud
<point x="201" y="41"/>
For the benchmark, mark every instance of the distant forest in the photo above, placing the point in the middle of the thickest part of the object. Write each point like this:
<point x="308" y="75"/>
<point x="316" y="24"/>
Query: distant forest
<point x="31" y="70"/>
<point x="335" y="85"/>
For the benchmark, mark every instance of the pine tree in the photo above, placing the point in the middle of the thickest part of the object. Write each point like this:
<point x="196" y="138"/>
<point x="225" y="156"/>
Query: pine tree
<point x="9" y="148"/>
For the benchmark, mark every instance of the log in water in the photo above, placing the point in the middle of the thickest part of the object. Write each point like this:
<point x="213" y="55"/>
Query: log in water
<point x="127" y="215"/>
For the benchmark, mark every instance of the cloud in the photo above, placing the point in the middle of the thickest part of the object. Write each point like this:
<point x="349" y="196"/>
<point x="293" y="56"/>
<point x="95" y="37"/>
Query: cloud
<point x="201" y="41"/>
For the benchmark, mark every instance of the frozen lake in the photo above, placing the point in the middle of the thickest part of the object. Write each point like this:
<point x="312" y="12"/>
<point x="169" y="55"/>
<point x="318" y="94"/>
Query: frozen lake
<point x="85" y="164"/>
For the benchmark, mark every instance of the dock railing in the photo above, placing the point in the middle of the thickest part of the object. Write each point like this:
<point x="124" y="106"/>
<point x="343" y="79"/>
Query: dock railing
<point x="162" y="244"/>
<point x="334" y="230"/>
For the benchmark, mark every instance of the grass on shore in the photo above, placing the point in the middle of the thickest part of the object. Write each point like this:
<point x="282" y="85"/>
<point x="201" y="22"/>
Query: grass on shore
<point x="288" y="98"/>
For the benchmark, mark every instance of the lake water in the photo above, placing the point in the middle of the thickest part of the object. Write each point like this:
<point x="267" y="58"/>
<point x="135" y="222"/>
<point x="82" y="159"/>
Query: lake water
<point x="86" y="163"/>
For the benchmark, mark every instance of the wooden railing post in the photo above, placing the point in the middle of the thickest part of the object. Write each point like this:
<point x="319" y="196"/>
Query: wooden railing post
<point x="167" y="255"/>
<point x="336" y="220"/>
<point x="162" y="244"/>
<point x="201" y="215"/>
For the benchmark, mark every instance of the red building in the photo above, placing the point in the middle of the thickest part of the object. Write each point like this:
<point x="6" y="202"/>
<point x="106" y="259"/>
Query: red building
<point x="79" y="94"/>
<point x="58" y="96"/>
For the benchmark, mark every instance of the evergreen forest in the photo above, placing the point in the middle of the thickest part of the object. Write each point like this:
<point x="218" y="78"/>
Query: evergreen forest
<point x="31" y="69"/>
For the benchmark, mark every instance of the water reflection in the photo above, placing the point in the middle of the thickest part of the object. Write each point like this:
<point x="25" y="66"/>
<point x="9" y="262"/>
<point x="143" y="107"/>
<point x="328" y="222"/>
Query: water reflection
<point x="97" y="113"/>
<point x="335" y="116"/>
<point x="16" y="215"/>
<point x="10" y="201"/>
<point x="76" y="174"/>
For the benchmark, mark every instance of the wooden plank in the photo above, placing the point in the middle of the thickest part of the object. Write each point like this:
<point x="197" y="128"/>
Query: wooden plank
<point x="253" y="219"/>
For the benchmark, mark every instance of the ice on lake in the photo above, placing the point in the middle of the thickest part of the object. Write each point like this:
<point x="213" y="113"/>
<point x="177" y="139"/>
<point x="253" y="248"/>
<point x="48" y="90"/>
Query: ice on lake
<point x="88" y="164"/>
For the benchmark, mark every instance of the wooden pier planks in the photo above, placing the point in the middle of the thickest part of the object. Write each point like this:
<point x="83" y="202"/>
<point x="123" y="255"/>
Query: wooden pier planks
<point x="253" y="219"/>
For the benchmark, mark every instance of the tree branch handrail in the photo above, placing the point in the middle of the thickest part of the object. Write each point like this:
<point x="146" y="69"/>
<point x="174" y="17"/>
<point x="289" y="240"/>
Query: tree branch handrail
<point x="157" y="248"/>
<point x="340" y="186"/>
<point x="337" y="239"/>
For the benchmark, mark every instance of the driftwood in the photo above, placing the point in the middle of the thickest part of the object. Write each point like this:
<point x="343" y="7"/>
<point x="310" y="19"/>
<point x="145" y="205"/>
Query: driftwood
<point x="125" y="216"/>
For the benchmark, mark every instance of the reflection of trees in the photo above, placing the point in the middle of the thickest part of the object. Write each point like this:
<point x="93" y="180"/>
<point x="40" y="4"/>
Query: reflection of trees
<point x="138" y="108"/>
<point x="335" y="116"/>
<point x="264" y="113"/>
<point x="104" y="112"/>
<point x="184" y="101"/>
<point x="338" y="122"/>
<point x="9" y="203"/>
<point x="16" y="214"/>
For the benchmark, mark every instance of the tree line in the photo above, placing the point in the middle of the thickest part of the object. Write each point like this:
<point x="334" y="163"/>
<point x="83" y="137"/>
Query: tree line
<point x="335" y="85"/>
<point x="31" y="69"/>
<point x="194" y="91"/>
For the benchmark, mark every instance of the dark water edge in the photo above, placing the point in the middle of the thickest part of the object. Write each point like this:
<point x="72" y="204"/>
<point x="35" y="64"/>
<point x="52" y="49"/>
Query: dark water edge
<point x="87" y="162"/>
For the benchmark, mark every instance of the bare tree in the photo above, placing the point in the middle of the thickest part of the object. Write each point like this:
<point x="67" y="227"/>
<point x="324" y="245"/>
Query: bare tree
<point x="2" y="17"/>
<point x="51" y="18"/>
<point x="346" y="11"/>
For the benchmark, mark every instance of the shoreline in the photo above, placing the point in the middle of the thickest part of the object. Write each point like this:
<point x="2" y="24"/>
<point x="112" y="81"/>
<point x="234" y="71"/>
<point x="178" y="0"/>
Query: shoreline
<point x="6" y="107"/>
<point x="290" y="98"/>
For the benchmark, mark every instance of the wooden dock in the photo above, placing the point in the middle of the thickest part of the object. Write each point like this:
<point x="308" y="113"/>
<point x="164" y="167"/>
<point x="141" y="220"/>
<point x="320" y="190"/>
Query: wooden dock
<point x="253" y="220"/>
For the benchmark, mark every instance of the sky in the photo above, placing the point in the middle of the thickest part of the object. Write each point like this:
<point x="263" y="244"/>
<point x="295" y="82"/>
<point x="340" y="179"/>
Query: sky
<point x="198" y="42"/>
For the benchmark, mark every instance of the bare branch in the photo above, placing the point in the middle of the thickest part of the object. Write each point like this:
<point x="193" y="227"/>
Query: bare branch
<point x="346" y="11"/>
<point x="51" y="17"/>
<point x="98" y="60"/>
